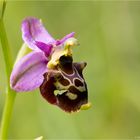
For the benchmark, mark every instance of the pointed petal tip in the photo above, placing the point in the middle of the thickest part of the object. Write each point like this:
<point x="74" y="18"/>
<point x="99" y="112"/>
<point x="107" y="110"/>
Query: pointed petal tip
<point x="61" y="41"/>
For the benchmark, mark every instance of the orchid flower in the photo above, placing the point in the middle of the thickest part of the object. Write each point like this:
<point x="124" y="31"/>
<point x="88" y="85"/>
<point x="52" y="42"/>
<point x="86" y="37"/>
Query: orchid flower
<point x="50" y="67"/>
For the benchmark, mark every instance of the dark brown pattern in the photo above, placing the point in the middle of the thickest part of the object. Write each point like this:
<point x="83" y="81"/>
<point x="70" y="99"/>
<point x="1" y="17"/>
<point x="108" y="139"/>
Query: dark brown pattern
<point x="72" y="98"/>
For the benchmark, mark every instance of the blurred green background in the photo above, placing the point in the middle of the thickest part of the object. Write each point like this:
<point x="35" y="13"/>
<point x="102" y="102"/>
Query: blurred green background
<point x="109" y="34"/>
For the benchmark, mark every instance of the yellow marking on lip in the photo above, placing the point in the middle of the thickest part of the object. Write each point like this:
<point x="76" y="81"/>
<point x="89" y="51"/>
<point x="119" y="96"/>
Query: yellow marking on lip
<point x="71" y="96"/>
<point x="59" y="92"/>
<point x="85" y="106"/>
<point x="59" y="86"/>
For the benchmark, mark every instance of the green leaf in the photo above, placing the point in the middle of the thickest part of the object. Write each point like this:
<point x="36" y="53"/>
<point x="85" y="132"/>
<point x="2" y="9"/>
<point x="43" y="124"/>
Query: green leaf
<point x="2" y="8"/>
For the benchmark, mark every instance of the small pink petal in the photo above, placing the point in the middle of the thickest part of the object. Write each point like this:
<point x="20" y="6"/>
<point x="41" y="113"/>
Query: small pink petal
<point x="61" y="41"/>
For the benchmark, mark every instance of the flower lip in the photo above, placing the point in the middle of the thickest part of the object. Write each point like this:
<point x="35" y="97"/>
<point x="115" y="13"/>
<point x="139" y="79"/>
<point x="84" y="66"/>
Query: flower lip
<point x="70" y="97"/>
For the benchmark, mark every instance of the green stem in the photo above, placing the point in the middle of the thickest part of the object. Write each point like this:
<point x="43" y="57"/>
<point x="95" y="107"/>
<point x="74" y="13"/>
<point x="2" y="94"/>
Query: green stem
<point x="10" y="96"/>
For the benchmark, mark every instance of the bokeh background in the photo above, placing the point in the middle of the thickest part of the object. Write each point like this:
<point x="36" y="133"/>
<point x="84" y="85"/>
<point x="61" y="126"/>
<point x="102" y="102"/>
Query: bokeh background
<point x="109" y="34"/>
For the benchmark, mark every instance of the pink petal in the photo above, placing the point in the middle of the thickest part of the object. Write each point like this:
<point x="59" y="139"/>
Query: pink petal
<point x="61" y="41"/>
<point x="28" y="73"/>
<point x="33" y="30"/>
<point x="46" y="48"/>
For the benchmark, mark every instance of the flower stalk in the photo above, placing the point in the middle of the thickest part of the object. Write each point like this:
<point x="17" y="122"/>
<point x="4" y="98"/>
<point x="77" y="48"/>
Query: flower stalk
<point x="10" y="94"/>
